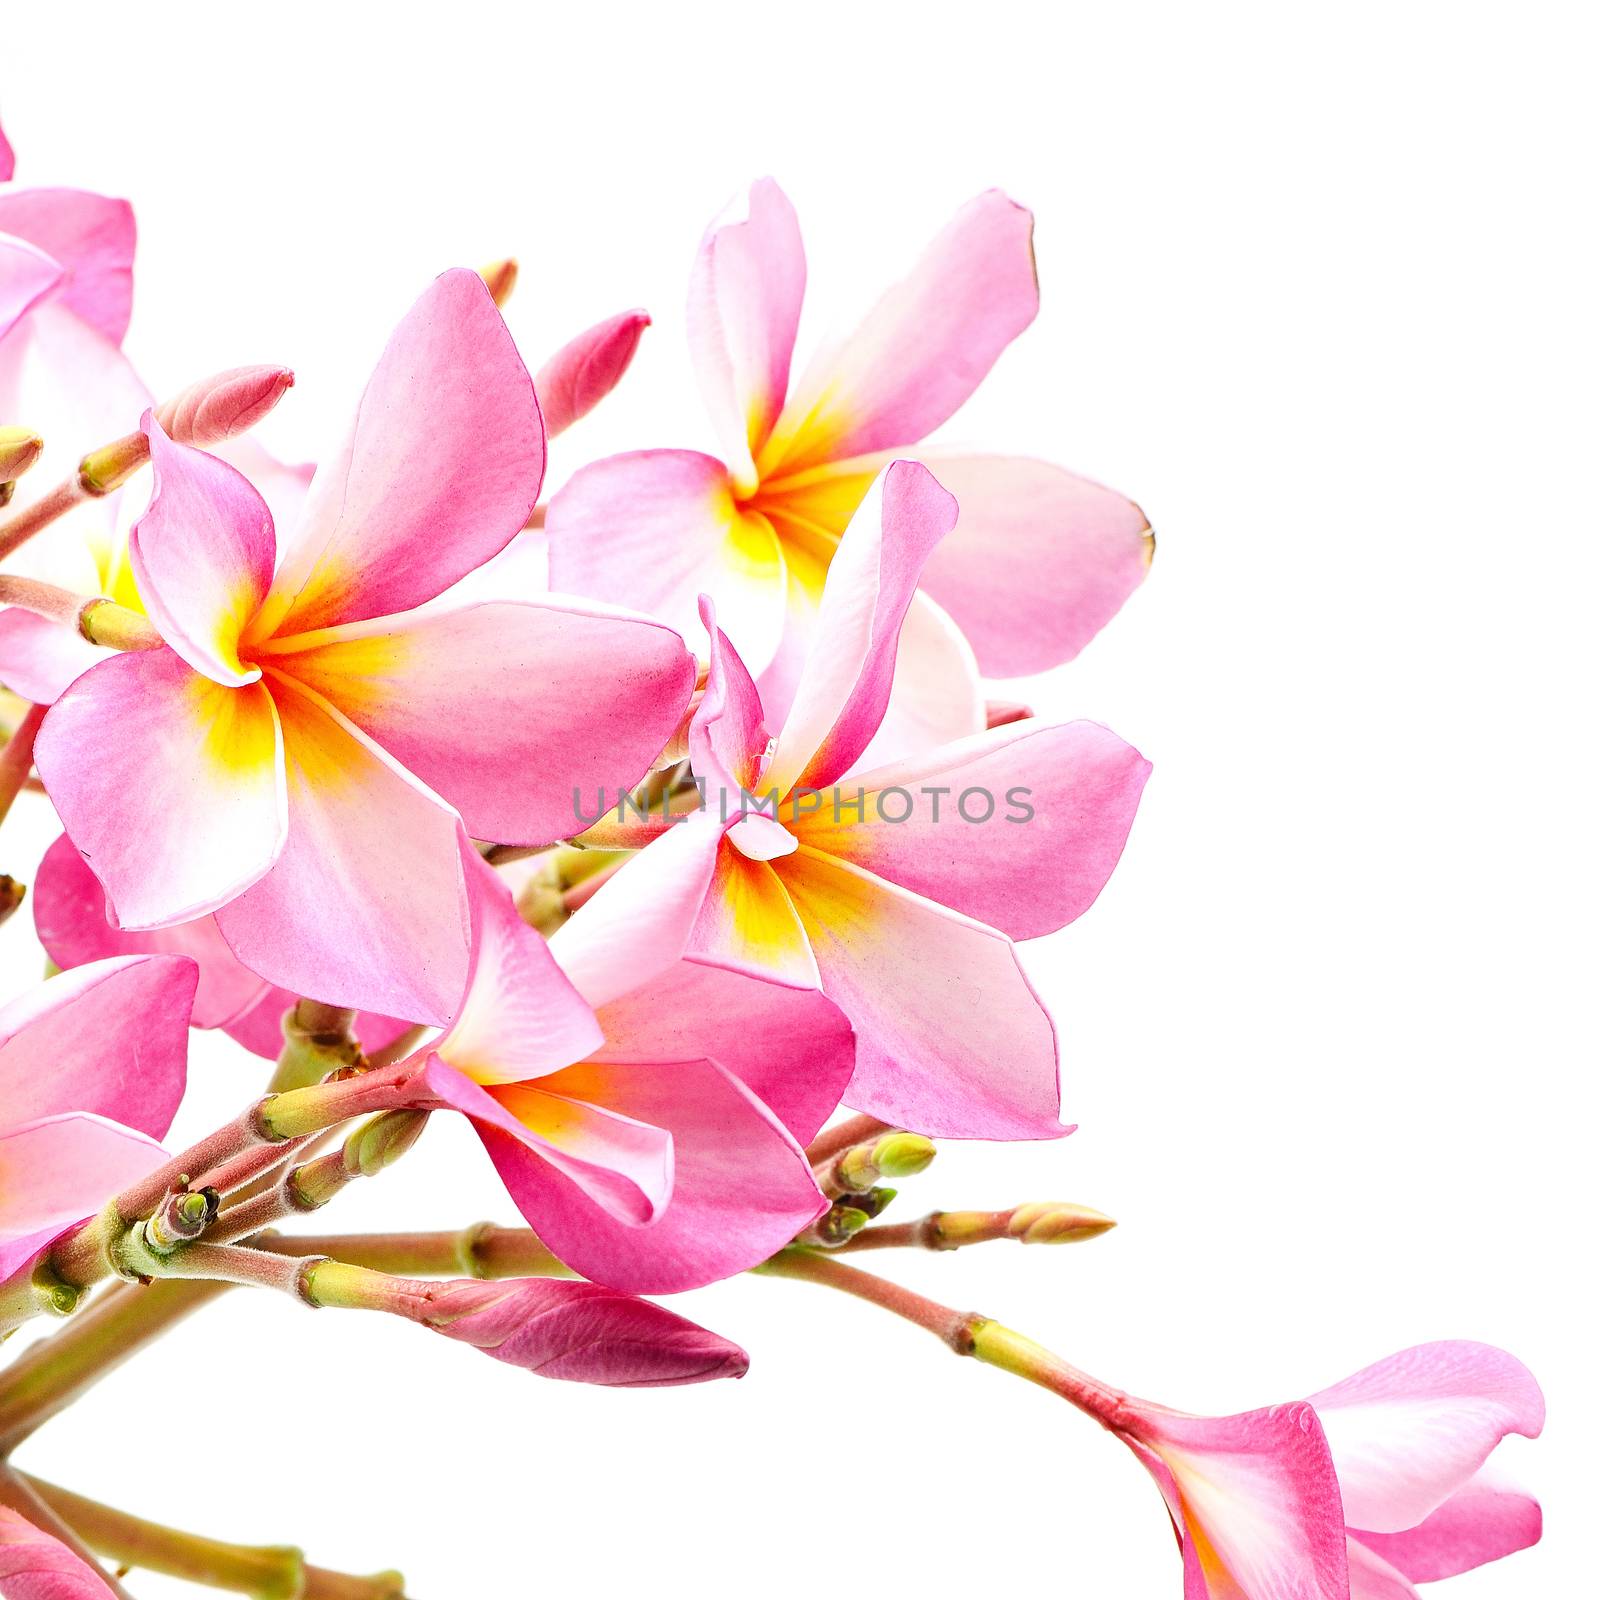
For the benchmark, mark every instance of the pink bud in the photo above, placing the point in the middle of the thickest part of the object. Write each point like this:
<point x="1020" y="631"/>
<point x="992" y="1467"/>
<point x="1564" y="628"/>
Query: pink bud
<point x="586" y="369"/>
<point x="223" y="405"/>
<point x="1000" y="713"/>
<point x="579" y="1332"/>
<point x="36" y="1566"/>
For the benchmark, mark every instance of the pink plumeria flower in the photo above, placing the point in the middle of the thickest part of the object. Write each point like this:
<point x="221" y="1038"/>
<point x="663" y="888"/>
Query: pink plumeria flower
<point x="92" y="1067"/>
<point x="650" y="1132"/>
<point x="72" y="918"/>
<point x="893" y="889"/>
<point x="66" y="294"/>
<point x="1358" y="1493"/>
<point x="35" y="1565"/>
<point x="1040" y="562"/>
<point x="295" y="761"/>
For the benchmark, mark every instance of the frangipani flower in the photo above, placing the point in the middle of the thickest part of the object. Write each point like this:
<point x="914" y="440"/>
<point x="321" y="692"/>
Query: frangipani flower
<point x="72" y="918"/>
<point x="1041" y="559"/>
<point x="92" y="1067"/>
<point x="1358" y="1493"/>
<point x="652" y="1141"/>
<point x="290" y="762"/>
<point x="902" y="911"/>
<point x="35" y="1565"/>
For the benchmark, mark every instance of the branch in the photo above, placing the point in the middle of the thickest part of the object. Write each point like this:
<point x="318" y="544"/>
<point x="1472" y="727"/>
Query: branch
<point x="1042" y="1222"/>
<point x="266" y="1572"/>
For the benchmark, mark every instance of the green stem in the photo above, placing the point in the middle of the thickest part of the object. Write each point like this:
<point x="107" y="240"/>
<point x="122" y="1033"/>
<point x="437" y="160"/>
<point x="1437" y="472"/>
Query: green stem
<point x="265" y="1572"/>
<point x="483" y="1251"/>
<point x="119" y="1323"/>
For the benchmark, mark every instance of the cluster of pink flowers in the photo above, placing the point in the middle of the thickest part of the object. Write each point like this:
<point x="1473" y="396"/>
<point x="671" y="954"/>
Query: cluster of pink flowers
<point x="322" y="745"/>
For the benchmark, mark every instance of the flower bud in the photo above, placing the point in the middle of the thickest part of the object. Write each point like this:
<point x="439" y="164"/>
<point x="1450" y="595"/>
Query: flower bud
<point x="1057" y="1222"/>
<point x="500" y="278"/>
<point x="584" y="371"/>
<point x="19" y="449"/>
<point x="228" y="403"/>
<point x="12" y="894"/>
<point x="1001" y="713"/>
<point x="579" y="1332"/>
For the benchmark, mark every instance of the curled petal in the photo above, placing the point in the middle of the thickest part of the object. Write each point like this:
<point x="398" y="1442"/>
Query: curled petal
<point x="844" y="687"/>
<point x="1412" y="1429"/>
<point x="203" y="555"/>
<point x="745" y="291"/>
<point x="586" y="369"/>
<point x="93" y="238"/>
<point x="727" y="737"/>
<point x="1482" y="1522"/>
<point x="27" y="275"/>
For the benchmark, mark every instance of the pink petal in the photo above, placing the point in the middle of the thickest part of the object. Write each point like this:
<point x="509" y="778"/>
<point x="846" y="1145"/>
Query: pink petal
<point x="171" y="785"/>
<point x="793" y="1048"/>
<point x="39" y="658"/>
<point x="744" y="307"/>
<point x="8" y="159"/>
<point x="72" y="918"/>
<point x="1039" y="562"/>
<point x="1018" y="827"/>
<point x="1482" y="1522"/>
<point x="521" y="1018"/>
<point x="922" y="350"/>
<point x="110" y="1038"/>
<point x="725" y="1143"/>
<point x="950" y="1038"/>
<point x="33" y="1564"/>
<point x="93" y="238"/>
<point x="203" y="554"/>
<point x="283" y="485"/>
<point x="581" y="1333"/>
<point x="844" y="687"/>
<point x="586" y="369"/>
<point x="1412" y="1429"/>
<point x="1372" y="1578"/>
<point x="506" y="709"/>
<point x="56" y="1170"/>
<point x="655" y="530"/>
<point x="22" y="1251"/>
<point x="365" y="906"/>
<point x="727" y="737"/>
<point x="622" y="1166"/>
<point x="936" y="697"/>
<point x="1257" y="1502"/>
<point x="639" y="922"/>
<point x="440" y="470"/>
<point x="27" y="275"/>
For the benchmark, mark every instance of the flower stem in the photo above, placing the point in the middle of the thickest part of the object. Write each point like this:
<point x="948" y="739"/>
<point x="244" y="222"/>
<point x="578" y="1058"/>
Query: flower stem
<point x="832" y="1142"/>
<point x="482" y="1251"/>
<point x="16" y="759"/>
<point x="265" y="1572"/>
<point x="119" y="1323"/>
<point x="20" y="1495"/>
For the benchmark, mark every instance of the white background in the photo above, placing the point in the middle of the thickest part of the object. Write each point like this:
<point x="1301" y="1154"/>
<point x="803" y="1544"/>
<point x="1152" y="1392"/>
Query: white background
<point x="1318" y="291"/>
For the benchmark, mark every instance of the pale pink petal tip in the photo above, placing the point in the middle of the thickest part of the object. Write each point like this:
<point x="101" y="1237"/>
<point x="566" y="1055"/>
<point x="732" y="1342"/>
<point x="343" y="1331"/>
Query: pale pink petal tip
<point x="586" y="369"/>
<point x="580" y="1332"/>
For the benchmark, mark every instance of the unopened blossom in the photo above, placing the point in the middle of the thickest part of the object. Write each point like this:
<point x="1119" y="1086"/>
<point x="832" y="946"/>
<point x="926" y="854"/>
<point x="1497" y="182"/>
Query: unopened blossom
<point x="1040" y="562"/>
<point x="72" y="918"/>
<point x="897" y="890"/>
<point x="1358" y="1493"/>
<point x="92" y="1067"/>
<point x="577" y="1332"/>
<point x="587" y="368"/>
<point x="35" y="1565"/>
<point x="299" y="757"/>
<point x="647" y="1124"/>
